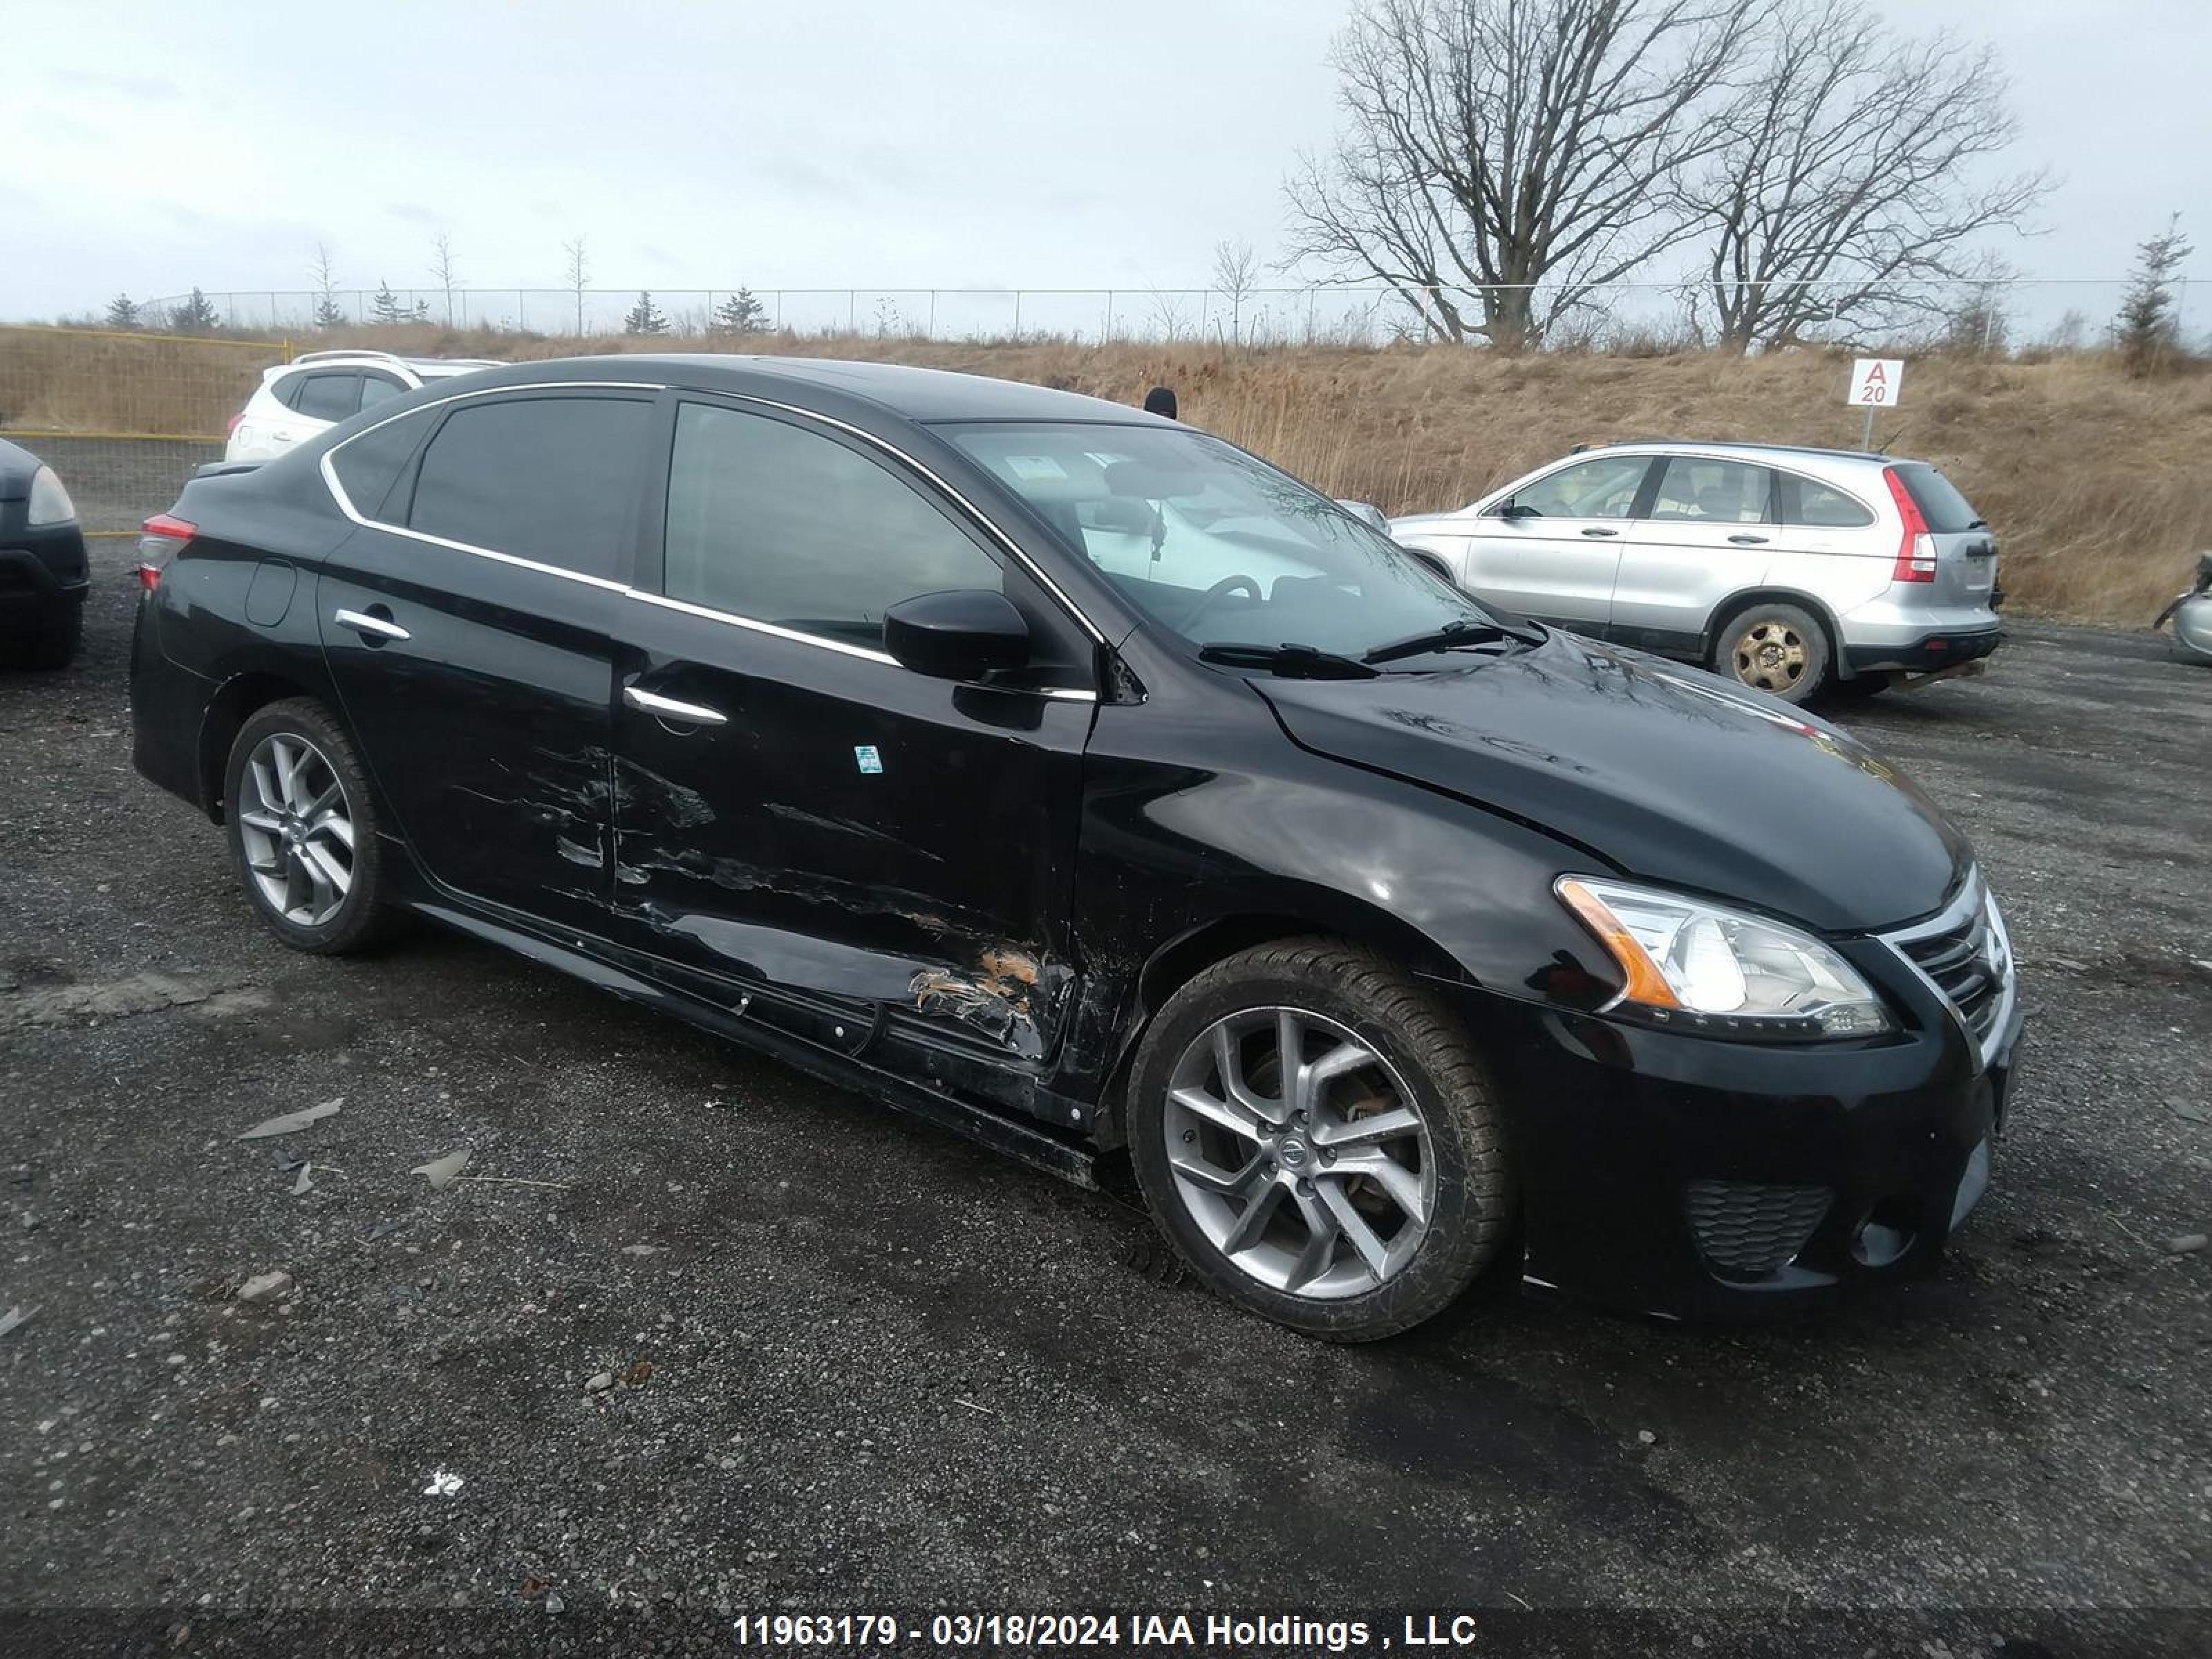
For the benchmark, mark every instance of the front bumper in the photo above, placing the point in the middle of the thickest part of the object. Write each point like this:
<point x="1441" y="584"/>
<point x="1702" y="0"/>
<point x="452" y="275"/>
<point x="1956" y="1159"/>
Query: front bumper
<point x="41" y="572"/>
<point x="1695" y="1178"/>
<point x="1926" y="652"/>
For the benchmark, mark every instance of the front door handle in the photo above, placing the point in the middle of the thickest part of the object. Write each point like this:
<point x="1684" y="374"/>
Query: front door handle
<point x="375" y="628"/>
<point x="1594" y="530"/>
<point x="667" y="709"/>
<point x="1748" y="541"/>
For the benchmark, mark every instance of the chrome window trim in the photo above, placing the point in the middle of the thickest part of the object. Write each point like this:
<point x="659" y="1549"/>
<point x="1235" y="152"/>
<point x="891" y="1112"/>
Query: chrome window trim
<point x="1066" y="694"/>
<point x="1974" y="894"/>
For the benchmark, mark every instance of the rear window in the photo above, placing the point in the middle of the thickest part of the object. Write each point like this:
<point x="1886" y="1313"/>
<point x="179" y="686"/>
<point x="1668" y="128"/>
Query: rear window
<point x="551" y="479"/>
<point x="329" y="397"/>
<point x="1938" y="499"/>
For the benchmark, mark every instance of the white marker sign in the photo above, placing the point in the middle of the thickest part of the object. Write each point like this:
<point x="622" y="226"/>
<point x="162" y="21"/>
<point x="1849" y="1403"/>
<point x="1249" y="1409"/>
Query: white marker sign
<point x="1876" y="381"/>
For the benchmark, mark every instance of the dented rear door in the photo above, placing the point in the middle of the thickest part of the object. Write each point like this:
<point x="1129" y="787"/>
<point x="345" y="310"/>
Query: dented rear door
<point x="795" y="811"/>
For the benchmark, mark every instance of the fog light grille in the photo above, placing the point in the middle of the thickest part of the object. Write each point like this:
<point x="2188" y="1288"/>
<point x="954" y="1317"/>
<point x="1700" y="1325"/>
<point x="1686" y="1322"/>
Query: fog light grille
<point x="1748" y="1230"/>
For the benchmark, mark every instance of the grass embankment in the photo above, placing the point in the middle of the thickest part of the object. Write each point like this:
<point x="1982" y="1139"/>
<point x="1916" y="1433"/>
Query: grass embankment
<point x="2097" y="484"/>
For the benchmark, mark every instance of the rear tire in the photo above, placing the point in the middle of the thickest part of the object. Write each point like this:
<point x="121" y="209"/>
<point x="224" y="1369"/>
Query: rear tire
<point x="54" y="645"/>
<point x="1352" y="1205"/>
<point x="1777" y="648"/>
<point x="303" y="829"/>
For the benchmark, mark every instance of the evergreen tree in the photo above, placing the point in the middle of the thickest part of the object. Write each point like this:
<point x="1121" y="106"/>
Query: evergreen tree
<point x="123" y="313"/>
<point x="740" y="314"/>
<point x="385" y="306"/>
<point x="2148" y="329"/>
<point x="645" y="317"/>
<point x="195" y="316"/>
<point x="327" y="315"/>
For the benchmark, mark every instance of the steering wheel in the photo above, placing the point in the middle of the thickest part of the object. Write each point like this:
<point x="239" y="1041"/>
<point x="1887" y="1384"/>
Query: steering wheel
<point x="1220" y="591"/>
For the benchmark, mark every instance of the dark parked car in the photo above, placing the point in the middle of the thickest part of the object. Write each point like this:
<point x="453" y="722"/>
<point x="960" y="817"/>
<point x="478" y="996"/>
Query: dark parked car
<point x="1076" y="779"/>
<point x="43" y="572"/>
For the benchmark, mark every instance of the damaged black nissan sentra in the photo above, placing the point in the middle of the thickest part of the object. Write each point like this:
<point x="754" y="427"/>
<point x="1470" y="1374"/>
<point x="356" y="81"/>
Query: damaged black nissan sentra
<point x="1073" y="778"/>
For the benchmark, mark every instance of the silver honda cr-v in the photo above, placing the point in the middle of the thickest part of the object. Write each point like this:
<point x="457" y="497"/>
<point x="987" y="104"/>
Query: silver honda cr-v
<point x="1792" y="570"/>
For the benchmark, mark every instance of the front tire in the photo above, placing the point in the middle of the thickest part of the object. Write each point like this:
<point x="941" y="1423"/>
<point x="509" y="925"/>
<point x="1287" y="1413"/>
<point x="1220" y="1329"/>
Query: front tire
<point x="1351" y="1193"/>
<point x="303" y="829"/>
<point x="1780" y="649"/>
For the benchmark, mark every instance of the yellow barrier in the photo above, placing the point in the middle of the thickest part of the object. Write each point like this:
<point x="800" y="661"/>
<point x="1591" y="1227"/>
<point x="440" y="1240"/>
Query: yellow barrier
<point x="125" y="417"/>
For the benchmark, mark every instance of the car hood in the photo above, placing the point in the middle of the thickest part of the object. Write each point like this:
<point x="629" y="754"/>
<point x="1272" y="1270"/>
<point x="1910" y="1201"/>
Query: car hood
<point x="1665" y="772"/>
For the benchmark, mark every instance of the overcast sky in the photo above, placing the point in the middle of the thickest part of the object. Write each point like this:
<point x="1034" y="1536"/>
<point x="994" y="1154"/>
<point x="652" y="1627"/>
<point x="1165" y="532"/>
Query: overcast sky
<point x="940" y="144"/>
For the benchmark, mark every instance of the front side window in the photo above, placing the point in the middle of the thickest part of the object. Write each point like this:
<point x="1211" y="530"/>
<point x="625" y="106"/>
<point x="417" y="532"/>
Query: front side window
<point x="328" y="397"/>
<point x="1602" y="488"/>
<point x="376" y="388"/>
<point x="1214" y="544"/>
<point x="551" y="479"/>
<point x="1695" y="490"/>
<point x="777" y="523"/>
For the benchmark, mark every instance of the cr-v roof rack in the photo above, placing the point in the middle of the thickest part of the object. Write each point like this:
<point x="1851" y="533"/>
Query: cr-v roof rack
<point x="350" y="351"/>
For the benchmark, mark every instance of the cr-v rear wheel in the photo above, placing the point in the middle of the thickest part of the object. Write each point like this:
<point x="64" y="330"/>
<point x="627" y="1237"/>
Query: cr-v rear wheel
<point x="303" y="828"/>
<point x="1777" y="648"/>
<point x="1317" y="1138"/>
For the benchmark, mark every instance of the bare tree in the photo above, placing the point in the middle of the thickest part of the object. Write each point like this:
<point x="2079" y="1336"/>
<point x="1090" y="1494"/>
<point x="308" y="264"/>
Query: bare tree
<point x="1235" y="276"/>
<point x="327" y="315"/>
<point x="442" y="268"/>
<point x="1846" y="191"/>
<point x="580" y="272"/>
<point x="2149" y="326"/>
<point x="1502" y="159"/>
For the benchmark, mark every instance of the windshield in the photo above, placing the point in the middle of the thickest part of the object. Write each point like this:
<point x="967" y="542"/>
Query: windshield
<point x="1214" y="544"/>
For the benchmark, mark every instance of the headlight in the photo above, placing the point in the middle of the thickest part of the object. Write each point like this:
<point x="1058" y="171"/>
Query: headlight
<point x="50" y="503"/>
<point x="1690" y="963"/>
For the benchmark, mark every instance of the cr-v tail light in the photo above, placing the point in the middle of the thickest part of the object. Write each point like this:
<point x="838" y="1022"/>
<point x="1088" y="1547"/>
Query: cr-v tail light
<point x="160" y="540"/>
<point x="1916" y="548"/>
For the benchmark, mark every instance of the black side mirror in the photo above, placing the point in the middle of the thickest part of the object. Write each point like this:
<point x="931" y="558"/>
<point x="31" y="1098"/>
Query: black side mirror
<point x="1515" y="510"/>
<point x="960" y="635"/>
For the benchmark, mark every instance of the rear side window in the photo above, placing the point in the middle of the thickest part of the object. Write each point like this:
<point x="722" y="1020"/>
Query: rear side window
<point x="1819" y="507"/>
<point x="368" y="466"/>
<point x="1938" y="499"/>
<point x="328" y="397"/>
<point x="1602" y="488"/>
<point x="780" y="524"/>
<point x="1696" y="489"/>
<point x="551" y="479"/>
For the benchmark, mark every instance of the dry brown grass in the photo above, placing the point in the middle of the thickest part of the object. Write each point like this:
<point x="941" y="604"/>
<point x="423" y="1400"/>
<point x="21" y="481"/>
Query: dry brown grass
<point x="2095" y="483"/>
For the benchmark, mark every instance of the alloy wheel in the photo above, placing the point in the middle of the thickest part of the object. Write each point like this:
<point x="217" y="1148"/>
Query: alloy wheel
<point x="297" y="832"/>
<point x="1300" y="1152"/>
<point x="1769" y="655"/>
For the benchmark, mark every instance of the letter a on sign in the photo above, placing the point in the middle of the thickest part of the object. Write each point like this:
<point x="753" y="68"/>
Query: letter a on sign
<point x="1876" y="381"/>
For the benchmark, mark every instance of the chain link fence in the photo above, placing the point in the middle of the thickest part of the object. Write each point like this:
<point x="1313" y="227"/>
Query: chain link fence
<point x="2016" y="314"/>
<point x="125" y="417"/>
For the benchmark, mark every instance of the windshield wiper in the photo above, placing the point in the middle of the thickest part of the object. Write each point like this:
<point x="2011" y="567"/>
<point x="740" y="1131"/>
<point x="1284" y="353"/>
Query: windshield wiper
<point x="1462" y="631"/>
<point x="1290" y="659"/>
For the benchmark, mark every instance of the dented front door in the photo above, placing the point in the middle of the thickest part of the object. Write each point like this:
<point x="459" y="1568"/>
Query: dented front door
<point x="793" y="815"/>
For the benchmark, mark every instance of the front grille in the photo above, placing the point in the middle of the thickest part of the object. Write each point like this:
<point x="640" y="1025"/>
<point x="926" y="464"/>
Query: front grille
<point x="1748" y="1230"/>
<point x="1964" y="954"/>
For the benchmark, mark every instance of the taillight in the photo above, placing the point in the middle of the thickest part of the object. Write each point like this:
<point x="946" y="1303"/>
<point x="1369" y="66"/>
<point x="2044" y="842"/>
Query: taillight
<point x="160" y="540"/>
<point x="1916" y="548"/>
<point x="231" y="431"/>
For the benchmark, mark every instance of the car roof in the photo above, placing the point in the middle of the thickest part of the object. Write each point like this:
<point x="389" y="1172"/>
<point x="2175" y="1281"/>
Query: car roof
<point x="898" y="389"/>
<point x="1750" y="450"/>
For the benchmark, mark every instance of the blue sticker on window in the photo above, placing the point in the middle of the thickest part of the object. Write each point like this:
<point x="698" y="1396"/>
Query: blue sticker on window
<point x="870" y="760"/>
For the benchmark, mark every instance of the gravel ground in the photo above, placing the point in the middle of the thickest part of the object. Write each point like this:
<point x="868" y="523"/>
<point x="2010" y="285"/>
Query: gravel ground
<point x="846" y="1360"/>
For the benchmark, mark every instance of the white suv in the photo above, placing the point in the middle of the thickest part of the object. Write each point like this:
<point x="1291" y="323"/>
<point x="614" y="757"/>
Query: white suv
<point x="318" y="389"/>
<point x="1790" y="570"/>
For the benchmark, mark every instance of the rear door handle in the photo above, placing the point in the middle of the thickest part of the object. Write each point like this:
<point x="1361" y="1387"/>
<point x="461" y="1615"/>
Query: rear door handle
<point x="1594" y="530"/>
<point x="667" y="709"/>
<point x="1748" y="541"/>
<point x="381" y="627"/>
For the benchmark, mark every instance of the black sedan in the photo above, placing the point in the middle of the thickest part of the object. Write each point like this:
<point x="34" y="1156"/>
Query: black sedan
<point x="1075" y="778"/>
<point x="43" y="573"/>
